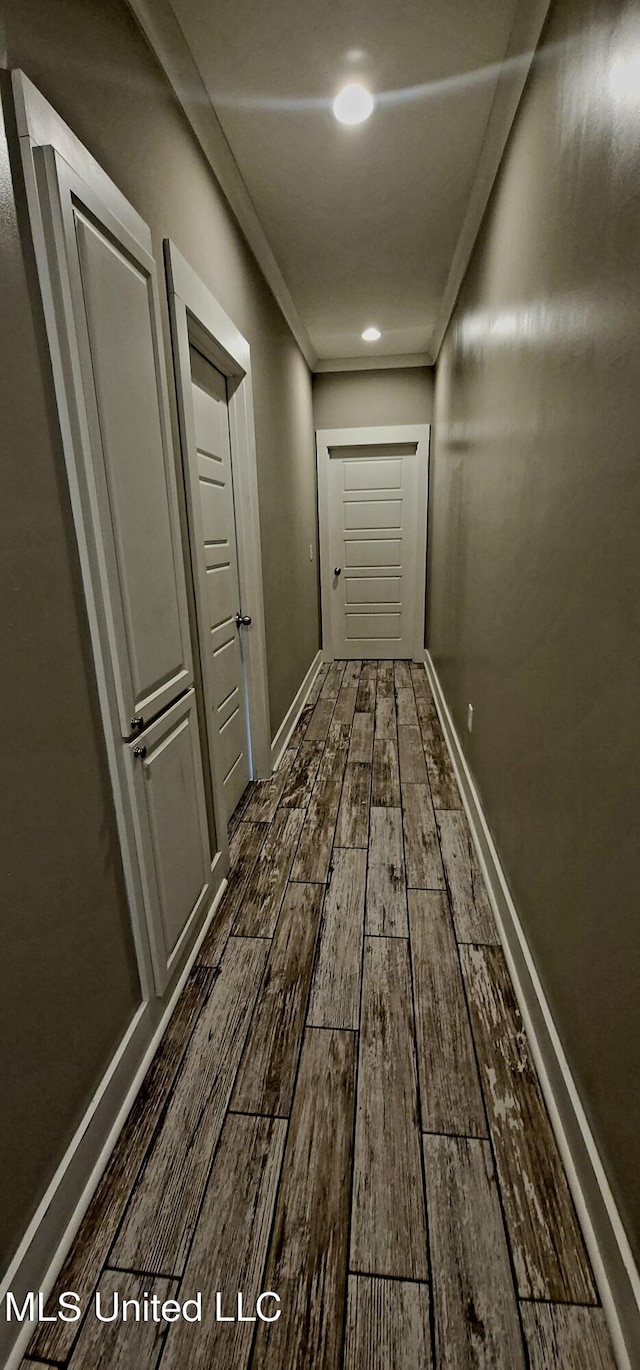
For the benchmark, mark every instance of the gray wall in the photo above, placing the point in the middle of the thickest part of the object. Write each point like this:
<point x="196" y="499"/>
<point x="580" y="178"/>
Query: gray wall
<point x="361" y="399"/>
<point x="69" y="984"/>
<point x="535" y="547"/>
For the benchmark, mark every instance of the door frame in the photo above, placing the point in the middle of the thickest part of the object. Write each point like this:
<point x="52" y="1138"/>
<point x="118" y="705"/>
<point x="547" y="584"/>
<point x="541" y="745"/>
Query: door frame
<point x="198" y="320"/>
<point x="327" y="438"/>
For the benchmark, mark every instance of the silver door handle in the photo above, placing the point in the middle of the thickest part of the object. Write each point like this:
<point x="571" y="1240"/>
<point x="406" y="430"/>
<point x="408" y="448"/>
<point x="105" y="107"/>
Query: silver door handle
<point x="243" y="620"/>
<point x="337" y="570"/>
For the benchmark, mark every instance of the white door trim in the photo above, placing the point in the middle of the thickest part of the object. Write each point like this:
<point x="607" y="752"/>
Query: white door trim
<point x="283" y="735"/>
<point x="39" y="122"/>
<point x="197" y="318"/>
<point x="326" y="438"/>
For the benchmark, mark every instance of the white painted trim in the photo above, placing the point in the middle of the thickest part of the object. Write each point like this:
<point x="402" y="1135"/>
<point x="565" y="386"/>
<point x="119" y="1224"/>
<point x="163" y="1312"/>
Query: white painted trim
<point x="166" y="39"/>
<point x="51" y="1232"/>
<point x="525" y="35"/>
<point x="196" y="316"/>
<point x="611" y="1256"/>
<point x="38" y="122"/>
<point x="281" y="739"/>
<point x="326" y="438"/>
<point x="375" y="362"/>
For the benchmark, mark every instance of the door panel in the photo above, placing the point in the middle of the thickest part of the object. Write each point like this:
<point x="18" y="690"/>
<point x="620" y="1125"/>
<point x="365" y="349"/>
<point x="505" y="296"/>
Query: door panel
<point x="226" y="668"/>
<point x="222" y="603"/>
<point x="372" y="590"/>
<point x="173" y="839"/>
<point x="372" y="514"/>
<point x="117" y="307"/>
<point x="371" y="627"/>
<point x="224" y="683"/>
<point x="364" y="553"/>
<point x="373" y="529"/>
<point x="368" y="475"/>
<point x="109" y="321"/>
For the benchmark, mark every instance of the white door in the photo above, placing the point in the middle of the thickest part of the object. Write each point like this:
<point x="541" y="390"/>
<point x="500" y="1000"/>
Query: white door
<point x="223" y="667"/>
<point x="109" y="297"/>
<point x="373" y="504"/>
<point x="113" y="390"/>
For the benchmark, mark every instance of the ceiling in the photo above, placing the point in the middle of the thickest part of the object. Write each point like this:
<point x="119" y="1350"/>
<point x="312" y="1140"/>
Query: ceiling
<point x="368" y="224"/>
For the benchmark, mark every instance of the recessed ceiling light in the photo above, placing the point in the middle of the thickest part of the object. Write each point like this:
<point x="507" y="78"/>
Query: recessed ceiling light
<point x="371" y="334"/>
<point x="354" y="104"/>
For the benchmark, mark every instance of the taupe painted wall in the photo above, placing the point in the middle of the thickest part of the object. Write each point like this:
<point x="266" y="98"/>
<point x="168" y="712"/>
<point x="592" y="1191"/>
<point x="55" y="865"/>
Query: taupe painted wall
<point x="71" y="984"/>
<point x="535" y="547"/>
<point x="361" y="399"/>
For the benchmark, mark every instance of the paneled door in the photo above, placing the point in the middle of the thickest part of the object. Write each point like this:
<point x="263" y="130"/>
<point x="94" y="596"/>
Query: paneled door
<point x="225" y="678"/>
<point x="112" y="396"/>
<point x="373" y="509"/>
<point x="111" y="312"/>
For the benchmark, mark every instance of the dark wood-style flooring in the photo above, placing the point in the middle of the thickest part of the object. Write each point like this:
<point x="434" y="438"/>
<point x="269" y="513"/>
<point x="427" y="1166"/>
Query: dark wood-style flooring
<point x="344" y="1108"/>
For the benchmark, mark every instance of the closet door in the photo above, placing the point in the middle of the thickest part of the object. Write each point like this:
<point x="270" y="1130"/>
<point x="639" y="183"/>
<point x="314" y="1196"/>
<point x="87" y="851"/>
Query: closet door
<point x="216" y="552"/>
<point x="112" y="398"/>
<point x="108" y="307"/>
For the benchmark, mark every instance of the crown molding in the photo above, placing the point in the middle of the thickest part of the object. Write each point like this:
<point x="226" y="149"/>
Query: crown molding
<point x="376" y="363"/>
<point x="166" y="39"/>
<point x="521" y="48"/>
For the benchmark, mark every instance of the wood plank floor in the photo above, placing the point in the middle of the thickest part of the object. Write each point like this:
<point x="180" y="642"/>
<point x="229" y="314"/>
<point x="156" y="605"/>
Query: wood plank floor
<point x="344" y="1109"/>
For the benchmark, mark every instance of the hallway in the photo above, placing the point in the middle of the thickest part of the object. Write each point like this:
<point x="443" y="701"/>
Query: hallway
<point x="343" y="1109"/>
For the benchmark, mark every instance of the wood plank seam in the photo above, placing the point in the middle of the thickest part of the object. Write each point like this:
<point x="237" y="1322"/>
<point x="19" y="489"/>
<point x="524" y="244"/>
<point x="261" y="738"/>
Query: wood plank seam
<point x="210" y="1168"/>
<point x="320" y="779"/>
<point x="250" y="1361"/>
<point x="199" y="1096"/>
<point x="356" y="1080"/>
<point x="357" y="1056"/>
<point x="430" y="1271"/>
<point x="66" y="1280"/>
<point x="482" y="1090"/>
<point x="505" y="1225"/>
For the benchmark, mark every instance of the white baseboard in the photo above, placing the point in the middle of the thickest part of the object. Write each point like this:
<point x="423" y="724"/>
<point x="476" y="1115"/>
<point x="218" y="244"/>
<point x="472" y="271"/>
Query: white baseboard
<point x="54" y="1225"/>
<point x="614" y="1267"/>
<point x="281" y="739"/>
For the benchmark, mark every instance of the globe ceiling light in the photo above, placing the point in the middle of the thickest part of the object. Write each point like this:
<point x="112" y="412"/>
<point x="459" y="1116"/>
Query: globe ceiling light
<point x="353" y="104"/>
<point x="371" y="334"/>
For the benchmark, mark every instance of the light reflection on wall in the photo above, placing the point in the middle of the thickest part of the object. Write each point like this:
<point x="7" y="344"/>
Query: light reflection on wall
<point x="564" y="323"/>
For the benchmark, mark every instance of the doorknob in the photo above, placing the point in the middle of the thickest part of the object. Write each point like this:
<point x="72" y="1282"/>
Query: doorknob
<point x="337" y="570"/>
<point x="140" y="751"/>
<point x="243" y="620"/>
